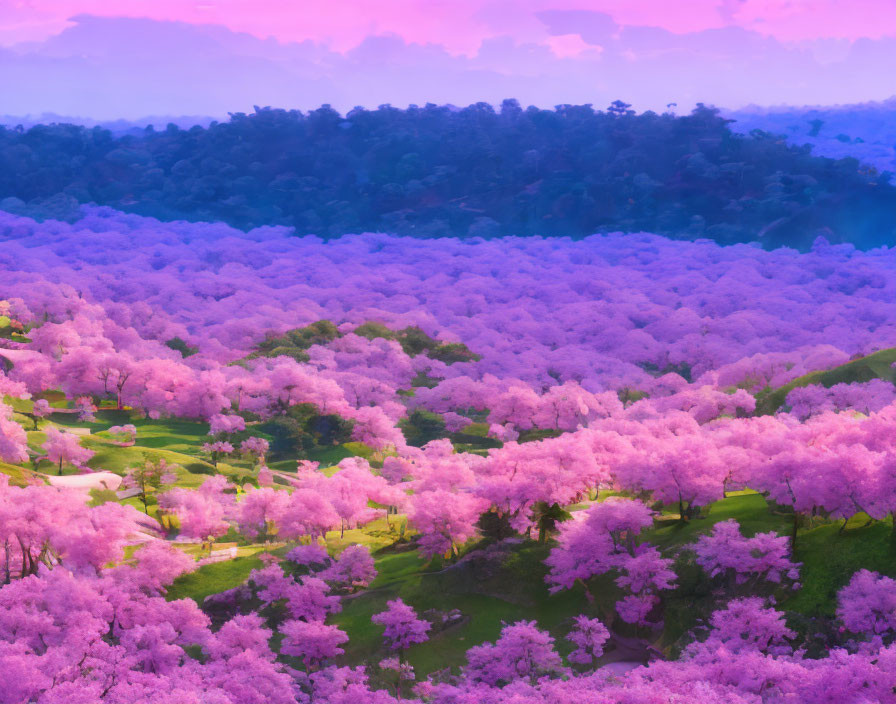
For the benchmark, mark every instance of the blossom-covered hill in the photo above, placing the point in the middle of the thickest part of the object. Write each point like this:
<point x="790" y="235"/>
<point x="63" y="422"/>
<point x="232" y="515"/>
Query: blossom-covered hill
<point x="256" y="467"/>
<point x="607" y="311"/>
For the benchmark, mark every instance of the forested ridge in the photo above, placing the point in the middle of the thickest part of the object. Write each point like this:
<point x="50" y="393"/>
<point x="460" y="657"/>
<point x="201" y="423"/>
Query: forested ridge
<point x="437" y="171"/>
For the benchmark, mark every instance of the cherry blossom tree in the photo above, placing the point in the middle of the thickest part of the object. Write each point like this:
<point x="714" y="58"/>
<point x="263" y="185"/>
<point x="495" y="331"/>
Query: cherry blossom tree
<point x="254" y="449"/>
<point x="13" y="439"/>
<point x="602" y="539"/>
<point x="202" y="513"/>
<point x="50" y="526"/>
<point x="223" y="425"/>
<point x="353" y="569"/>
<point x="402" y="627"/>
<point x="868" y="604"/>
<point x="444" y="519"/>
<point x="745" y="562"/>
<point x="86" y="409"/>
<point x="261" y="511"/>
<point x="312" y="641"/>
<point x="747" y="625"/>
<point x="402" y="630"/>
<point x="217" y="450"/>
<point x="589" y="636"/>
<point x="308" y="512"/>
<point x="310" y="599"/>
<point x="40" y="409"/>
<point x="65" y="448"/>
<point x="148" y="477"/>
<point x="522" y="652"/>
<point x="124" y="435"/>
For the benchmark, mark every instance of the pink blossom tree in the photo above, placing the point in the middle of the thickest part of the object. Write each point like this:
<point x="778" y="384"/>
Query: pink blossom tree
<point x="217" y="450"/>
<point x="261" y="511"/>
<point x="353" y="569"/>
<point x="867" y="604"/>
<point x="444" y="519"/>
<point x="745" y="562"/>
<point x="402" y="627"/>
<point x="202" y="513"/>
<point x="48" y="526"/>
<point x="40" y="409"/>
<point x="402" y="630"/>
<point x="150" y="477"/>
<point x="124" y="435"/>
<point x="65" y="448"/>
<point x="254" y="449"/>
<point x="308" y="512"/>
<point x="309" y="599"/>
<point x="588" y="635"/>
<point x="522" y="652"/>
<point x="312" y="641"/>
<point x="223" y="425"/>
<point x="13" y="439"/>
<point x="86" y="409"/>
<point x="602" y="539"/>
<point x="747" y="625"/>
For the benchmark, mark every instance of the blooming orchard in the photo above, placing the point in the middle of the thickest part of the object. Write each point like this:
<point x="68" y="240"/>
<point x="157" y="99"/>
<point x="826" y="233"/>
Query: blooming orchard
<point x="591" y="401"/>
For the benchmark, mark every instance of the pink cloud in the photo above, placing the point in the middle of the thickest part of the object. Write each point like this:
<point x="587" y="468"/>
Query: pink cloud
<point x="568" y="45"/>
<point x="461" y="25"/>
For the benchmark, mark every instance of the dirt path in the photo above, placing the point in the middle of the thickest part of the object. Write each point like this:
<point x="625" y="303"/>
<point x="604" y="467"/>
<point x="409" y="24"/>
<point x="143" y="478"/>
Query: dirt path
<point x="94" y="480"/>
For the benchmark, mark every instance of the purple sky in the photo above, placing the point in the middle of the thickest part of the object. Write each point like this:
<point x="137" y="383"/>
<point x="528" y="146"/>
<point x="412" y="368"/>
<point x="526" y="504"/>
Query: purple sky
<point x="86" y="58"/>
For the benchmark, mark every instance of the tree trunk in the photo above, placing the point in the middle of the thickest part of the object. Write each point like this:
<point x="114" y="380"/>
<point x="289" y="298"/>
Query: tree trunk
<point x="398" y="684"/>
<point x="588" y="595"/>
<point x="794" y="529"/>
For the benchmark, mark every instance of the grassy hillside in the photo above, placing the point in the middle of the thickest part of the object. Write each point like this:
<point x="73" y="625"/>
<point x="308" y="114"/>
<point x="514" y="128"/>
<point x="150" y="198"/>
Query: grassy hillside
<point x="489" y="586"/>
<point x="873" y="366"/>
<point x="511" y="587"/>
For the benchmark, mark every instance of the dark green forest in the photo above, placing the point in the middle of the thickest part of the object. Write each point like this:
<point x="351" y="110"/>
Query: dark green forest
<point x="438" y="171"/>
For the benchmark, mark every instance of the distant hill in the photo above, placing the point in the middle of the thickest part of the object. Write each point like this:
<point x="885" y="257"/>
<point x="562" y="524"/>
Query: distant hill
<point x="116" y="127"/>
<point x="472" y="172"/>
<point x="865" y="131"/>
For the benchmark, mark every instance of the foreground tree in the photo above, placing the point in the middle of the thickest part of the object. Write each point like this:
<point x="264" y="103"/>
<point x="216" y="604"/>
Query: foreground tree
<point x="13" y="439"/>
<point x="867" y="605"/>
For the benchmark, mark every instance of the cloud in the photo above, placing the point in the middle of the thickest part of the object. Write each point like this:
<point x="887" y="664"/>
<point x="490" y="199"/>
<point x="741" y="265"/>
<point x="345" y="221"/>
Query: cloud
<point x="124" y="67"/>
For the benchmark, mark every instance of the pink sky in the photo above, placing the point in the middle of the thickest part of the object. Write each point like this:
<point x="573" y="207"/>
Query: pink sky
<point x="460" y="25"/>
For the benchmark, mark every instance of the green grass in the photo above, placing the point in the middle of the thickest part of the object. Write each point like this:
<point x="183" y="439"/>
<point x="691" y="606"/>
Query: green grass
<point x="213" y="578"/>
<point x="17" y="475"/>
<point x="748" y="508"/>
<point x="517" y="592"/>
<point x="176" y="435"/>
<point x="177" y="442"/>
<point x="830" y="558"/>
